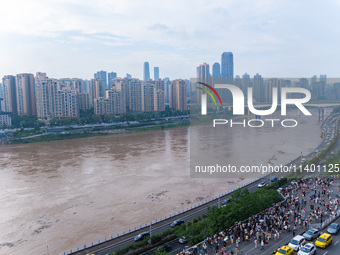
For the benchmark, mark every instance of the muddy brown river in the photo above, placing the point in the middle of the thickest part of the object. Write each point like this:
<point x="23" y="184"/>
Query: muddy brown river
<point x="74" y="192"/>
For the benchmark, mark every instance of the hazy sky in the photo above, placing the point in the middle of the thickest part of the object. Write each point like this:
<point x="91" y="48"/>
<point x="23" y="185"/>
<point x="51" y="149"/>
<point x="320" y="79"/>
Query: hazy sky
<point x="75" y="38"/>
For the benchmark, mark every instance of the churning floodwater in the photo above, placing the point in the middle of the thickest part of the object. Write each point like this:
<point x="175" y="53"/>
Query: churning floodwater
<point x="73" y="192"/>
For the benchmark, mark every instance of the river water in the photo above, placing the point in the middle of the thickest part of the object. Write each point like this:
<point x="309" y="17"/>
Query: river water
<point x="74" y="192"/>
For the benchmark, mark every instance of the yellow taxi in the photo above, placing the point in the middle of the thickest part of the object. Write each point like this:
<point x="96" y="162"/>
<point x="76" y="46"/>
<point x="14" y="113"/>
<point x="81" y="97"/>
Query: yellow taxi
<point x="286" y="250"/>
<point x="323" y="241"/>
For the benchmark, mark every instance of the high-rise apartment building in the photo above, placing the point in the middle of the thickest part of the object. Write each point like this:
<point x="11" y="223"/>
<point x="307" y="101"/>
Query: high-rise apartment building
<point x="121" y="88"/>
<point x="54" y="99"/>
<point x="146" y="71"/>
<point x="46" y="96"/>
<point x="72" y="82"/>
<point x="160" y="100"/>
<point x="9" y="94"/>
<point x="67" y="103"/>
<point x="111" y="76"/>
<point x="227" y="65"/>
<point x="202" y="71"/>
<point x="258" y="88"/>
<point x="101" y="75"/>
<point x="86" y="86"/>
<point x="148" y="96"/>
<point x="84" y="101"/>
<point x="5" y="120"/>
<point x="135" y="95"/>
<point x="178" y="95"/>
<point x="116" y="104"/>
<point x="97" y="88"/>
<point x="25" y="94"/>
<point x="156" y="73"/>
<point x="245" y="83"/>
<point x="101" y="105"/>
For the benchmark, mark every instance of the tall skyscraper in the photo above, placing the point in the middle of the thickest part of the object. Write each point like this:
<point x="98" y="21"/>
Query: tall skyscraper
<point x="25" y="94"/>
<point x="227" y="62"/>
<point x="122" y="84"/>
<point x="67" y="103"/>
<point x="258" y="88"/>
<point x="178" y="95"/>
<point x="146" y="71"/>
<point x="135" y="95"/>
<point x="202" y="71"/>
<point x="84" y="101"/>
<point x="156" y="73"/>
<point x="9" y="93"/>
<point x="41" y="94"/>
<point x="148" y="96"/>
<point x="101" y="75"/>
<point x="110" y="77"/>
<point x="322" y="84"/>
<point x="245" y="83"/>
<point x="216" y="70"/>
<point x="98" y="88"/>
<point x="86" y="86"/>
<point x="166" y="89"/>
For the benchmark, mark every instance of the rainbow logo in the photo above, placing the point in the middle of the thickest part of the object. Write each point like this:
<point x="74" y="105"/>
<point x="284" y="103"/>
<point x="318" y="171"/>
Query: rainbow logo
<point x="209" y="93"/>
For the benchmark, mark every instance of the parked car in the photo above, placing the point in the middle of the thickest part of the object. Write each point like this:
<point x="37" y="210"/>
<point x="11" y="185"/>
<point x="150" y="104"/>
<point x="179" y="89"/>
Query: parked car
<point x="164" y="247"/>
<point x="323" y="241"/>
<point x="261" y="184"/>
<point x="177" y="223"/>
<point x="333" y="228"/>
<point x="183" y="239"/>
<point x="141" y="236"/>
<point x="311" y="234"/>
<point x="307" y="249"/>
<point x="273" y="179"/>
<point x="297" y="242"/>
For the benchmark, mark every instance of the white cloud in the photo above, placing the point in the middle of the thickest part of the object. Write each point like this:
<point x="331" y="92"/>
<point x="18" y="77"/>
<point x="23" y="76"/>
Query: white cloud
<point x="275" y="38"/>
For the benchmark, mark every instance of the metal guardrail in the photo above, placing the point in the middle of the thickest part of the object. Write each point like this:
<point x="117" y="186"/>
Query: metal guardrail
<point x="79" y="248"/>
<point x="322" y="225"/>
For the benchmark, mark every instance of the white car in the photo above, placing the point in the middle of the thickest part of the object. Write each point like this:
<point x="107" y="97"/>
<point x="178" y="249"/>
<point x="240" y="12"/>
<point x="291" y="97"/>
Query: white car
<point x="308" y="249"/>
<point x="183" y="240"/>
<point x="297" y="242"/>
<point x="262" y="184"/>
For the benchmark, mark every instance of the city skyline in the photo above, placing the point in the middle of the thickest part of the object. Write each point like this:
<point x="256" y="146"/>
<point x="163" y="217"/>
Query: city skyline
<point x="276" y="39"/>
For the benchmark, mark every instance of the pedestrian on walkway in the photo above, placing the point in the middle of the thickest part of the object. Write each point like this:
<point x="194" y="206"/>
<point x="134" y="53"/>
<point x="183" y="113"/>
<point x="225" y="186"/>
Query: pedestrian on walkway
<point x="255" y="241"/>
<point x="262" y="245"/>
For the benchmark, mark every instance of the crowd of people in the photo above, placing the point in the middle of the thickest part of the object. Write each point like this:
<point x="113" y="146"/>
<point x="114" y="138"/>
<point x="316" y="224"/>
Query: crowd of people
<point x="286" y="216"/>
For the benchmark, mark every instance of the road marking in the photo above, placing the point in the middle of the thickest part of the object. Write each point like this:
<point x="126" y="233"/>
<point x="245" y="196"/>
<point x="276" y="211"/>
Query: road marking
<point x="325" y="253"/>
<point x="336" y="242"/>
